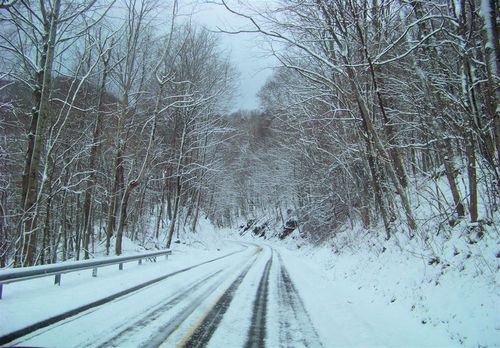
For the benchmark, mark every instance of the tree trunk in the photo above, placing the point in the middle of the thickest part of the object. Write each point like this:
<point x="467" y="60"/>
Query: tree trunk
<point x="383" y="153"/>
<point x="450" y="175"/>
<point x="377" y="189"/>
<point x="491" y="39"/>
<point x="29" y="228"/>
<point x="169" y="201"/>
<point x="63" y="227"/>
<point x="77" y="227"/>
<point x="365" y="207"/>
<point x="178" y="189"/>
<point x="472" y="176"/>
<point x="36" y="96"/>
<point x="55" y="247"/>
<point x="123" y="216"/>
<point x="113" y="199"/>
<point x="3" y="229"/>
<point x="470" y="112"/>
<point x="160" y="213"/>
<point x="46" y="233"/>
<point x="171" y="228"/>
<point x="94" y="151"/>
<point x="196" y="211"/>
<point x="395" y="155"/>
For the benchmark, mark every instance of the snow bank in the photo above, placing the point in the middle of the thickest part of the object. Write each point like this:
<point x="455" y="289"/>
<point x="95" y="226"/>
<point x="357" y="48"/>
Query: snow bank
<point x="205" y="237"/>
<point x="456" y="292"/>
<point x="445" y="275"/>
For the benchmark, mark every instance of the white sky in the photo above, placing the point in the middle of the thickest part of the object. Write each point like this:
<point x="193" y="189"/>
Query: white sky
<point x="246" y="50"/>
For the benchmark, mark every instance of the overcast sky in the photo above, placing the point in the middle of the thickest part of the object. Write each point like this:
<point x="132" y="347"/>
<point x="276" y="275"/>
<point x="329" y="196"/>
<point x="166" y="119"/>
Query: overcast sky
<point x="246" y="50"/>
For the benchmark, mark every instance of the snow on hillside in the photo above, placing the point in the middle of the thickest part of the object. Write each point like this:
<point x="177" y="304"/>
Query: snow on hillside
<point x="459" y="294"/>
<point x="444" y="276"/>
<point x="206" y="237"/>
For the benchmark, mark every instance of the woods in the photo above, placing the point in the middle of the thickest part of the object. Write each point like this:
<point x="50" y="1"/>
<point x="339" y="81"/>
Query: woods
<point x="375" y="102"/>
<point x="106" y="117"/>
<point x="116" y="122"/>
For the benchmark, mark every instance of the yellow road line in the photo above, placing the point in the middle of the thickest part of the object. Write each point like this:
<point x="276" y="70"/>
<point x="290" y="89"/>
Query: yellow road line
<point x="193" y="328"/>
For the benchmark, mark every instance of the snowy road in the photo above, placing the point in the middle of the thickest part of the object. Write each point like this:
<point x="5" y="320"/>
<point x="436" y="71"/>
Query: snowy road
<point x="244" y="295"/>
<point x="244" y="299"/>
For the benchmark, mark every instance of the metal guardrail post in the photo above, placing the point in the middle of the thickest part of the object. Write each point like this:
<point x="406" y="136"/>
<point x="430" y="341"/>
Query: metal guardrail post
<point x="120" y="266"/>
<point x="15" y="275"/>
<point x="57" y="279"/>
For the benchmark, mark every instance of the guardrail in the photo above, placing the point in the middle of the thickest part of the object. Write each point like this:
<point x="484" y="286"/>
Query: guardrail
<point x="20" y="274"/>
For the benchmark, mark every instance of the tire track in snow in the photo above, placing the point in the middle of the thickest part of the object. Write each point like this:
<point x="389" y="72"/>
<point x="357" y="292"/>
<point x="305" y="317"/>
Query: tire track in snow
<point x="206" y="325"/>
<point x="202" y="334"/>
<point x="257" y="331"/>
<point x="296" y="328"/>
<point x="76" y="313"/>
<point x="153" y="314"/>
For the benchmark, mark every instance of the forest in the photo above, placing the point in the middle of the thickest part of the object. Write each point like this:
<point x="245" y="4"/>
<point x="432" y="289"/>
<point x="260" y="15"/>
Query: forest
<point x="116" y="121"/>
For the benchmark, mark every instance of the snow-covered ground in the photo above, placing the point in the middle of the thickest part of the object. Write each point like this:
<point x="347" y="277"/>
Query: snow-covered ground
<point x="380" y="293"/>
<point x="392" y="293"/>
<point x="27" y="302"/>
<point x="410" y="290"/>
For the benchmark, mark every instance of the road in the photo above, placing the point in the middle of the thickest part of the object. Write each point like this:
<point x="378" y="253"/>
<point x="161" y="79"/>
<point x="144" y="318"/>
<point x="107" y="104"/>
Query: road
<point x="244" y="299"/>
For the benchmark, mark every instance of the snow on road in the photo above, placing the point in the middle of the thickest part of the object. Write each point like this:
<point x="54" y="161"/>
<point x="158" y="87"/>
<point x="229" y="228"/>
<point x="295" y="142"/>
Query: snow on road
<point x="25" y="303"/>
<point x="259" y="296"/>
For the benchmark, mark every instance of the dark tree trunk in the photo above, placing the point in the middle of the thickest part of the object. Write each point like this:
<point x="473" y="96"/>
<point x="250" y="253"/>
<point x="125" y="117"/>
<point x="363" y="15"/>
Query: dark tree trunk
<point x="171" y="228"/>
<point x="160" y="213"/>
<point x="450" y="175"/>
<point x="123" y="216"/>
<point x="4" y="246"/>
<point x="94" y="152"/>
<point x="377" y="189"/>
<point x="29" y="228"/>
<point x="472" y="176"/>
<point x="113" y="199"/>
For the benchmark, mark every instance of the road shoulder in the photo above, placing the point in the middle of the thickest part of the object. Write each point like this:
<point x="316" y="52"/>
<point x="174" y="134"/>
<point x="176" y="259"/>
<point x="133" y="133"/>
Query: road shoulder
<point x="344" y="316"/>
